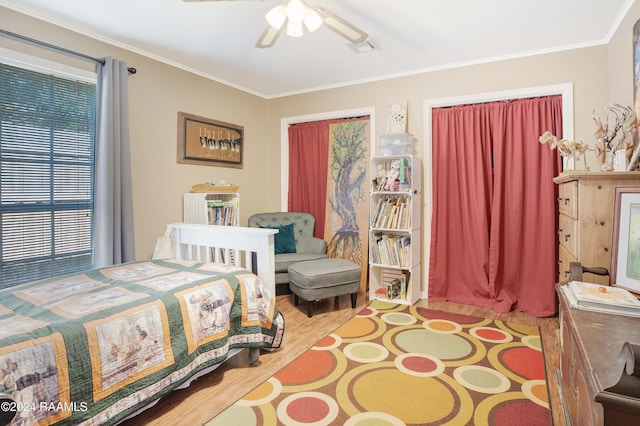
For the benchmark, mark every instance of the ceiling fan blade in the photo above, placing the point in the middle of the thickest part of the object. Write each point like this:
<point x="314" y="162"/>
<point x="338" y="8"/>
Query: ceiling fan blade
<point x="341" y="27"/>
<point x="269" y="37"/>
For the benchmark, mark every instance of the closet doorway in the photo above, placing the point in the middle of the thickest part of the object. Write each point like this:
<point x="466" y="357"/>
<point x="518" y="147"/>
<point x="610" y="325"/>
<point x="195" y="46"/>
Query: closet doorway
<point x="492" y="208"/>
<point x="325" y="172"/>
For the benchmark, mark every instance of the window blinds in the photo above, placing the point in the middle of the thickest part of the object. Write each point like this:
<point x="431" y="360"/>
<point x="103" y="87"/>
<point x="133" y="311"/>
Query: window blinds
<point x="47" y="131"/>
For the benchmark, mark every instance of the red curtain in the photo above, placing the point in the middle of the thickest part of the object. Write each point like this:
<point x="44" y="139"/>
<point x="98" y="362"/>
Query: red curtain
<point x="493" y="230"/>
<point x="308" y="160"/>
<point x="308" y="168"/>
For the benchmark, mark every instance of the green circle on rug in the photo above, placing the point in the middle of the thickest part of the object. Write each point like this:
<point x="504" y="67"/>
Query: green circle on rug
<point x="442" y="346"/>
<point x="404" y="396"/>
<point x="366" y="352"/>
<point x="399" y="318"/>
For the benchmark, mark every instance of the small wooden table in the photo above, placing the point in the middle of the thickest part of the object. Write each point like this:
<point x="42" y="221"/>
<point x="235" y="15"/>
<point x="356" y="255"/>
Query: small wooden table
<point x="590" y="346"/>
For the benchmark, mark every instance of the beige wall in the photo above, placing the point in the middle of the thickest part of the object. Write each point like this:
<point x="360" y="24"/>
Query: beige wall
<point x="599" y="75"/>
<point x="620" y="59"/>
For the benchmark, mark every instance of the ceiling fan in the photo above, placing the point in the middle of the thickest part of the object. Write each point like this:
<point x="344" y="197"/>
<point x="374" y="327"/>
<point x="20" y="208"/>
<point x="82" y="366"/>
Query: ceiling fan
<point x="297" y="15"/>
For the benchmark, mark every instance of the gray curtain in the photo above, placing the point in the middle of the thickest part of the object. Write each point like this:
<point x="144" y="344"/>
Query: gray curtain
<point x="113" y="201"/>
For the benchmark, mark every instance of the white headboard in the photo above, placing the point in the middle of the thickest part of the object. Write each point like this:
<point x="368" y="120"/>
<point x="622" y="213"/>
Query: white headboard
<point x="229" y="245"/>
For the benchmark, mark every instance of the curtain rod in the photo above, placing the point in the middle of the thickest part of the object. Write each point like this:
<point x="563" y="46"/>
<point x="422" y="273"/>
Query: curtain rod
<point x="39" y="43"/>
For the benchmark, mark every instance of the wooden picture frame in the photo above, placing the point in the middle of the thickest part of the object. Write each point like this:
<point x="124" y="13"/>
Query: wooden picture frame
<point x="634" y="163"/>
<point x="209" y="142"/>
<point x="625" y="255"/>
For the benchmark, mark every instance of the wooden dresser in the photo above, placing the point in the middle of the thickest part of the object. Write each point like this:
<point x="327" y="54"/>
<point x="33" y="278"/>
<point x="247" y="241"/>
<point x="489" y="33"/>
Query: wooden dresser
<point x="590" y="344"/>
<point x="586" y="201"/>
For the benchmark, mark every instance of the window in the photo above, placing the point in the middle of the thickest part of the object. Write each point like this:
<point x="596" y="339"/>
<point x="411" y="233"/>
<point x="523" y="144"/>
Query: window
<point x="47" y="133"/>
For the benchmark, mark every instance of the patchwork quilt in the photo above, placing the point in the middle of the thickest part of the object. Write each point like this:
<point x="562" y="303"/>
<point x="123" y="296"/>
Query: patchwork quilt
<point x="94" y="347"/>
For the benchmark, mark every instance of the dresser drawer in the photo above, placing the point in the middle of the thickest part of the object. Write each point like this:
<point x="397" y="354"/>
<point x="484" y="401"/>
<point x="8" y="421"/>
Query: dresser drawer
<point x="564" y="260"/>
<point x="568" y="199"/>
<point x="568" y="234"/>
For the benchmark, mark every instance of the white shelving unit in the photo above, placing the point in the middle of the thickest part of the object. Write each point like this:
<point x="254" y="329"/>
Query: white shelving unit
<point x="394" y="229"/>
<point x="211" y="208"/>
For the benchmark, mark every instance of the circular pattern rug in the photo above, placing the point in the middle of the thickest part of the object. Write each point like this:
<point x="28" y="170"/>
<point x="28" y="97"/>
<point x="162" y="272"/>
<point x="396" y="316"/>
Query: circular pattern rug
<point x="406" y="365"/>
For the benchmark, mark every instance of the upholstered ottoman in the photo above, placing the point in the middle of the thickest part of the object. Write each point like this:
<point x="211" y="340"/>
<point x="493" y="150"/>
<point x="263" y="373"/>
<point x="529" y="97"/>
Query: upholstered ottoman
<point x="323" y="278"/>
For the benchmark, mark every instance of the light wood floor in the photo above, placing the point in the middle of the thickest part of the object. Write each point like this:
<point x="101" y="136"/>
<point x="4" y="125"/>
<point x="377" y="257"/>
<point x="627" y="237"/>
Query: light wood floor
<point x="210" y="394"/>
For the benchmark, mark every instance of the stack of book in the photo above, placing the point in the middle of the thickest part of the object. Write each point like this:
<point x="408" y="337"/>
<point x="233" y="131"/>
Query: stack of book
<point x="222" y="212"/>
<point x="393" y="250"/>
<point x="392" y="213"/>
<point x="600" y="298"/>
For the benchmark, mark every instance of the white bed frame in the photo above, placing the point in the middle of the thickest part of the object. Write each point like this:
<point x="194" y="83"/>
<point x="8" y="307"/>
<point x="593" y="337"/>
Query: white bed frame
<point x="249" y="248"/>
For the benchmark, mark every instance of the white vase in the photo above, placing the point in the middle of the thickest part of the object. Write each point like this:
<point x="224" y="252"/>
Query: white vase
<point x="607" y="166"/>
<point x="620" y="161"/>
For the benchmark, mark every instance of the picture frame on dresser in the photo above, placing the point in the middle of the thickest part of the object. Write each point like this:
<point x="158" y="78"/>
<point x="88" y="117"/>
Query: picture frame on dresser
<point x="625" y="255"/>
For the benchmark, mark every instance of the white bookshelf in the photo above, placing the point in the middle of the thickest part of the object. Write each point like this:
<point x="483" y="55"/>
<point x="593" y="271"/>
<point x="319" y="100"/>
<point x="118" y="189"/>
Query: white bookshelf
<point x="394" y="230"/>
<point x="211" y="208"/>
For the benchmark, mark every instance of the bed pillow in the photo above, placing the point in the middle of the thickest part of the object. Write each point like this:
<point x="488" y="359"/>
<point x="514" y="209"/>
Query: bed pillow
<point x="284" y="240"/>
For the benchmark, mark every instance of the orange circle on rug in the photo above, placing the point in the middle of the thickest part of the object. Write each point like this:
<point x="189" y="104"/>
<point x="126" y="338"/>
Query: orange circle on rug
<point x="310" y="366"/>
<point x="525" y="362"/>
<point x="442" y="326"/>
<point x="260" y="392"/>
<point x="357" y="327"/>
<point x="490" y="334"/>
<point x="327" y="342"/>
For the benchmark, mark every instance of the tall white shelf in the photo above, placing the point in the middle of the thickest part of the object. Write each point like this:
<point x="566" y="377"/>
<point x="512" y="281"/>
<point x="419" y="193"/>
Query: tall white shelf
<point x="211" y="208"/>
<point x="394" y="231"/>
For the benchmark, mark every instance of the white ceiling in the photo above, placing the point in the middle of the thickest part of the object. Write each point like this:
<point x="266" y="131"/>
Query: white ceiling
<point x="216" y="39"/>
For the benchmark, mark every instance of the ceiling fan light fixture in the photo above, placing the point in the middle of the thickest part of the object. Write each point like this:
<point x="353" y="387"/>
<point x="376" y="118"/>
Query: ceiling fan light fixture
<point x="276" y="16"/>
<point x="296" y="10"/>
<point x="294" y="28"/>
<point x="313" y="20"/>
<point x="297" y="16"/>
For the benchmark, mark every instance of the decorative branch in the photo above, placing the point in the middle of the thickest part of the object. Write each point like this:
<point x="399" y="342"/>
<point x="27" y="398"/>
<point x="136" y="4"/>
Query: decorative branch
<point x="621" y="136"/>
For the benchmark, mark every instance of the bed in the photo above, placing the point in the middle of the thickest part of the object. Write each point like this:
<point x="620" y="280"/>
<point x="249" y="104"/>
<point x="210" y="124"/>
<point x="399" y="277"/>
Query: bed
<point x="99" y="346"/>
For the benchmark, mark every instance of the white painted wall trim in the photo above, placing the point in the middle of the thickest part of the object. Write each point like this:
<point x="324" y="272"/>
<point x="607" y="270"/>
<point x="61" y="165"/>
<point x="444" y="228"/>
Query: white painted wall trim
<point x="566" y="90"/>
<point x="284" y="140"/>
<point x="44" y="66"/>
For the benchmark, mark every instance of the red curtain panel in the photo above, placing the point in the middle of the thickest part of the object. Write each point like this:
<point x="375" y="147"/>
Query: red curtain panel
<point x="493" y="230"/>
<point x="308" y="156"/>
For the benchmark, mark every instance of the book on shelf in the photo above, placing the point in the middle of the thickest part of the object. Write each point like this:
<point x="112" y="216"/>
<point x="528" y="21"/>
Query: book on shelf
<point x="393" y="250"/>
<point x="601" y="298"/>
<point x="392" y="213"/>
<point x="222" y="212"/>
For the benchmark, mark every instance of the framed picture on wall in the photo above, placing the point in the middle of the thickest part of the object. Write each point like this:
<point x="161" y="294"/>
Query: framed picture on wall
<point x="636" y="87"/>
<point x="625" y="256"/>
<point x="209" y="142"/>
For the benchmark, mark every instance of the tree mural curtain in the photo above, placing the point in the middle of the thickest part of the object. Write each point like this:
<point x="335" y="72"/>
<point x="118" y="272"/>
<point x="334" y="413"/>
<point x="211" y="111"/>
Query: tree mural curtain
<point x="493" y="230"/>
<point x="328" y="177"/>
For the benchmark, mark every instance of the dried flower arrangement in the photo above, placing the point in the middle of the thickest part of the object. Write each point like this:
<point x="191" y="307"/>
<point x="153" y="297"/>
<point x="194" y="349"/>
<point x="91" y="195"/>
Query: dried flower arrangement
<point x="611" y="138"/>
<point x="620" y="136"/>
<point x="567" y="148"/>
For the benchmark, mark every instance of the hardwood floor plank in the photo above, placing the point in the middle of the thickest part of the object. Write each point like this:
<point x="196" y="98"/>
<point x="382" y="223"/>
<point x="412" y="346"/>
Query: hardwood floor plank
<point x="211" y="394"/>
